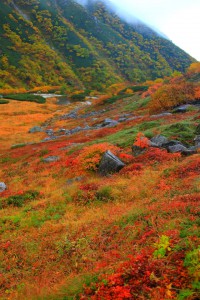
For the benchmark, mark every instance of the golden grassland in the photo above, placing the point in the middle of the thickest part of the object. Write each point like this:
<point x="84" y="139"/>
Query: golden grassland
<point x="133" y="235"/>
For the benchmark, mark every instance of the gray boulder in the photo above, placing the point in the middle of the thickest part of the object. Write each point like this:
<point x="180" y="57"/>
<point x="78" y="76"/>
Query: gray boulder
<point x="159" y="140"/>
<point x="171" y="144"/>
<point x="110" y="164"/>
<point x="181" y="109"/>
<point x="75" y="130"/>
<point x="71" y="115"/>
<point x="50" y="132"/>
<point x="35" y="129"/>
<point x="3" y="187"/>
<point x="189" y="151"/>
<point x="177" y="148"/>
<point x="122" y="119"/>
<point x="109" y="123"/>
<point x="50" y="159"/>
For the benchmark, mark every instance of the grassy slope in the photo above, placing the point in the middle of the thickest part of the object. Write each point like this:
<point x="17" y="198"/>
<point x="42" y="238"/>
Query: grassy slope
<point x="55" y="46"/>
<point x="136" y="231"/>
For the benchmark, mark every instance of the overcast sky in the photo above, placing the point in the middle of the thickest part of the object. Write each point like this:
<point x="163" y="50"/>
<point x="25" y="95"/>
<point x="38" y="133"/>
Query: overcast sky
<point x="178" y="19"/>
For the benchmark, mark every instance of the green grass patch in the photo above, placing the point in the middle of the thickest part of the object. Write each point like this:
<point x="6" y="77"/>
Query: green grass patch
<point x="130" y="218"/>
<point x="148" y="125"/>
<point x="19" y="200"/>
<point x="123" y="138"/>
<point x="18" y="146"/>
<point x="113" y="99"/>
<point x="184" y="131"/>
<point x="135" y="88"/>
<point x="26" y="97"/>
<point x="126" y="137"/>
<point x="136" y="103"/>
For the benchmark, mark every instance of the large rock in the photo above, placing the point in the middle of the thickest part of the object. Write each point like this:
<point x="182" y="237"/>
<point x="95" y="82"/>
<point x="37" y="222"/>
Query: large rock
<point x="159" y="140"/>
<point x="177" y="148"/>
<point x="3" y="187"/>
<point x="171" y="144"/>
<point x="189" y="151"/>
<point x="110" y="164"/>
<point x="35" y="129"/>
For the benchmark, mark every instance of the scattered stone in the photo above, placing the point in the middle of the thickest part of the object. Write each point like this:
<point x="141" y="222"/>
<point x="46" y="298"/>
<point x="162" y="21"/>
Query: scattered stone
<point x="134" y="118"/>
<point x="50" y="138"/>
<point x="75" y="130"/>
<point x="181" y="109"/>
<point x="188" y="152"/>
<point x="177" y="148"/>
<point x="171" y="143"/>
<point x="50" y="132"/>
<point x="165" y="114"/>
<point x="109" y="123"/>
<point x="35" y="129"/>
<point x="122" y="119"/>
<point x="87" y="127"/>
<point x="3" y="187"/>
<point x="67" y="132"/>
<point x="71" y="115"/>
<point x="159" y="140"/>
<point x="110" y="164"/>
<point x="50" y="159"/>
<point x="62" y="130"/>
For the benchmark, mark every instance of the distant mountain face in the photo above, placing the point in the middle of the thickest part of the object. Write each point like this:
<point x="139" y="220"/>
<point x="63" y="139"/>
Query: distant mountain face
<point x="61" y="42"/>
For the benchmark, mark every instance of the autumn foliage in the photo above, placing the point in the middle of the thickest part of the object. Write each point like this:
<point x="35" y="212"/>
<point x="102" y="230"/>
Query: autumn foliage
<point x="170" y="95"/>
<point x="68" y="233"/>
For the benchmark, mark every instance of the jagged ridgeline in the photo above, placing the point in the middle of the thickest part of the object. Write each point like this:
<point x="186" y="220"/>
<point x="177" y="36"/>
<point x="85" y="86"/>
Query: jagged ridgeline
<point x="60" y="42"/>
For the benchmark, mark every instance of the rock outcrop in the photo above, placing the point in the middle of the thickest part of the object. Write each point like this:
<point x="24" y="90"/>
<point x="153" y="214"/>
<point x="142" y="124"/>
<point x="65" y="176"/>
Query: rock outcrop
<point x="110" y="164"/>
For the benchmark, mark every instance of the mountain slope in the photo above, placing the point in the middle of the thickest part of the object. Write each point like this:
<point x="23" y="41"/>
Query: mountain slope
<point x="48" y="42"/>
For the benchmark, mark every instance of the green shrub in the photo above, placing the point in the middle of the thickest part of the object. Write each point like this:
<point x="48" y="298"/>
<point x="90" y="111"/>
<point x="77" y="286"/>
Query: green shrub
<point x="135" y="88"/>
<point x="113" y="99"/>
<point x="81" y="96"/>
<point x="19" y="200"/>
<point x="18" y="146"/>
<point x="104" y="194"/>
<point x="26" y="97"/>
<point x="2" y="101"/>
<point x="184" y="294"/>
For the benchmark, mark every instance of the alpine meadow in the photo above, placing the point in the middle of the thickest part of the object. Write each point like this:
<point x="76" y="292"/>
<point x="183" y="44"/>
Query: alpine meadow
<point x="99" y="156"/>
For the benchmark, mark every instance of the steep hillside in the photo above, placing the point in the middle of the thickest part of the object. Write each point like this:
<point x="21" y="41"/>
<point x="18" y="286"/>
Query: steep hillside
<point x="67" y="231"/>
<point x="48" y="42"/>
